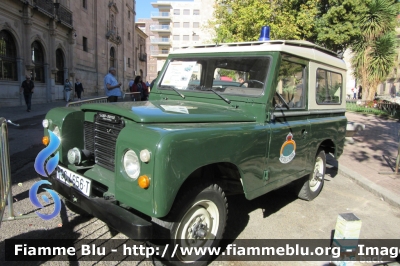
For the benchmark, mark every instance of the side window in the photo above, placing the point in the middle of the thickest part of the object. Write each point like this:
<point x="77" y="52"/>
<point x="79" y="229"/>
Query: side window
<point x="291" y="85"/>
<point x="328" y="87"/>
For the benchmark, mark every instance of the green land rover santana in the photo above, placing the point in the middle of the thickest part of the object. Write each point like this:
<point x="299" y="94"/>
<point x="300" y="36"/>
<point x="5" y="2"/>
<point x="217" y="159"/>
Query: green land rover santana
<point x="221" y="119"/>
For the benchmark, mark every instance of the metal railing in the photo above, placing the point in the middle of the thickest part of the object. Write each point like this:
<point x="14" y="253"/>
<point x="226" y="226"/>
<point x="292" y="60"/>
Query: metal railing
<point x="45" y="6"/>
<point x="160" y="28"/>
<point x="6" y="197"/>
<point x="159" y="52"/>
<point x="161" y="40"/>
<point x="94" y="100"/>
<point x="100" y="100"/>
<point x="160" y="15"/>
<point x="5" y="178"/>
<point x="143" y="57"/>
<point x="374" y="107"/>
<point x="65" y="15"/>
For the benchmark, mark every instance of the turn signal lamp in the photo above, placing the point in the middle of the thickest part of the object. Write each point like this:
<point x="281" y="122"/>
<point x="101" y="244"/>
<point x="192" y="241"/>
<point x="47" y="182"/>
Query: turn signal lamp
<point x="264" y="35"/>
<point x="144" y="181"/>
<point x="45" y="140"/>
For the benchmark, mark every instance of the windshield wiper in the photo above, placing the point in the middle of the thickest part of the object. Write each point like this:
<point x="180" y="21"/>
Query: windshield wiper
<point x="222" y="97"/>
<point x="172" y="87"/>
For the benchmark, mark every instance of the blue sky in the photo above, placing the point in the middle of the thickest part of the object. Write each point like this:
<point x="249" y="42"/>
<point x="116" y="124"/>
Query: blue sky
<point x="144" y="8"/>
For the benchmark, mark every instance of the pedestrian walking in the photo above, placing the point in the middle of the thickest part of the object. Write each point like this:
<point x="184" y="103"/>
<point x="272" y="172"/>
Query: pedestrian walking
<point x="393" y="91"/>
<point x="140" y="86"/>
<point x="67" y="90"/>
<point x="78" y="89"/>
<point x="112" y="86"/>
<point x="355" y="91"/>
<point x="27" y="88"/>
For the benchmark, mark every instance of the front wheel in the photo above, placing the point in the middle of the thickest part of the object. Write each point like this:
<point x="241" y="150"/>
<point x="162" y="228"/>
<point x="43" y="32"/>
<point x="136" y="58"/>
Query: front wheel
<point x="315" y="181"/>
<point x="199" y="218"/>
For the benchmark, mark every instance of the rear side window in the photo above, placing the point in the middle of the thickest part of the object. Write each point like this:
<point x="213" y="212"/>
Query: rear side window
<point x="328" y="87"/>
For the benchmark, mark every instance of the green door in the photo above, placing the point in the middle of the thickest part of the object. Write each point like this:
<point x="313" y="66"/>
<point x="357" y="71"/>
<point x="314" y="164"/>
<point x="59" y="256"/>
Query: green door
<point x="288" y="150"/>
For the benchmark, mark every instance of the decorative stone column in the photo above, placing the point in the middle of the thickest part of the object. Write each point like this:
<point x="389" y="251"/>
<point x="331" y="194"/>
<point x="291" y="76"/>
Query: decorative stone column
<point x="52" y="58"/>
<point x="27" y="20"/>
<point x="21" y="77"/>
<point x="47" y="78"/>
<point x="71" y="58"/>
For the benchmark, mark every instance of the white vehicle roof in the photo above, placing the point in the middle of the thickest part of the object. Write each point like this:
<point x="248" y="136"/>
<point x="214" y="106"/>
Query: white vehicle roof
<point x="303" y="49"/>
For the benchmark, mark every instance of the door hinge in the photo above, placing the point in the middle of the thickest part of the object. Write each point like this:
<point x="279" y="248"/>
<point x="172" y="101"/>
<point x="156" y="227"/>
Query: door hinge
<point x="265" y="177"/>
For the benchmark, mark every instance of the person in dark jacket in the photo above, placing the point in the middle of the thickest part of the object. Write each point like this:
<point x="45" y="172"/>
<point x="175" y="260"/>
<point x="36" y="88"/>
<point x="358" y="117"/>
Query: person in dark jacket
<point x="140" y="86"/>
<point x="78" y="89"/>
<point x="27" y="88"/>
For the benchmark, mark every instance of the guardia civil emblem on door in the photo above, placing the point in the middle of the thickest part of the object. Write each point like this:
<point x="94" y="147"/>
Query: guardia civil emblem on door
<point x="288" y="149"/>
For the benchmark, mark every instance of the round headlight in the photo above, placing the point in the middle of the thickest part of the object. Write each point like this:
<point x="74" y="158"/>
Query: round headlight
<point x="145" y="156"/>
<point x="131" y="164"/>
<point x="74" y="156"/>
<point x="46" y="123"/>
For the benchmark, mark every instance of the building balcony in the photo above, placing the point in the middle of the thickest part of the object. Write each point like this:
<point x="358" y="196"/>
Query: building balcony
<point x="160" y="28"/>
<point x="159" y="53"/>
<point x="143" y="57"/>
<point x="54" y="11"/>
<point x="164" y="5"/>
<point x="161" y="41"/>
<point x="161" y="16"/>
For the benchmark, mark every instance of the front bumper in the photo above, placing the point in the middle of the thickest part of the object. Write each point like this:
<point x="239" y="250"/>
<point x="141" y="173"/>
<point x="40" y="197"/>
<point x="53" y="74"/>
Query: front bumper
<point x="120" y="219"/>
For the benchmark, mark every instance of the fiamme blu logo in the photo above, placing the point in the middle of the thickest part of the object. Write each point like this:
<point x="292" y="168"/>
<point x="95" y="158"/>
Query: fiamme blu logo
<point x="45" y="164"/>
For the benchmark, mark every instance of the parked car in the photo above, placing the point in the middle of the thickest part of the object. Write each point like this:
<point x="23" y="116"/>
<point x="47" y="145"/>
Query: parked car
<point x="170" y="162"/>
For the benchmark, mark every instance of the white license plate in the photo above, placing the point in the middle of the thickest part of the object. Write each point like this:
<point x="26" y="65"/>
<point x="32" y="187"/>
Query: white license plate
<point x="74" y="180"/>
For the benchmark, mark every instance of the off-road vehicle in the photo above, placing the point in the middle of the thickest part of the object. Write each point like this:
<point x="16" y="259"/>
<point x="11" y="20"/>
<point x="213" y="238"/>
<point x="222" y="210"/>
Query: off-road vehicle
<point x="171" y="161"/>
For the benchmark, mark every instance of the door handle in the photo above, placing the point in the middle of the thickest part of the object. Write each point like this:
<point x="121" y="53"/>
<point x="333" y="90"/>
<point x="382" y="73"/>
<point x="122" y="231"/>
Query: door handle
<point x="304" y="133"/>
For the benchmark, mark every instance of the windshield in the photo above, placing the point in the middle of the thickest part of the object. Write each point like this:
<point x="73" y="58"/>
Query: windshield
<point x="230" y="75"/>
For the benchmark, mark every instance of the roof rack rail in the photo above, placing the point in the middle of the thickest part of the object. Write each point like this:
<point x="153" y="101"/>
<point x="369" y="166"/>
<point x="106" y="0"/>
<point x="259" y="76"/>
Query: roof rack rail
<point x="270" y="42"/>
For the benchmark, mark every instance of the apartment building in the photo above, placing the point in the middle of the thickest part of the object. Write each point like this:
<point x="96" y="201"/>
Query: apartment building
<point x="176" y="24"/>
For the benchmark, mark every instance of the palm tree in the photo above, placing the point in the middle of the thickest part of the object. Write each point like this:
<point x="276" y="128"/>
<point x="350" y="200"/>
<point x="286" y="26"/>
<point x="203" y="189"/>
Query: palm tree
<point x="375" y="49"/>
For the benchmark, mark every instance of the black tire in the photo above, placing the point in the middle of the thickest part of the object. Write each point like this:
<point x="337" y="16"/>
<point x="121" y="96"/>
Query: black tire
<point x="75" y="209"/>
<point x="198" y="218"/>
<point x="313" y="183"/>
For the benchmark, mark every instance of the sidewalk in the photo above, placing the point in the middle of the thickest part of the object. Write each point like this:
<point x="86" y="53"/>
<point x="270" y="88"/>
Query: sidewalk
<point x="374" y="152"/>
<point x="19" y="112"/>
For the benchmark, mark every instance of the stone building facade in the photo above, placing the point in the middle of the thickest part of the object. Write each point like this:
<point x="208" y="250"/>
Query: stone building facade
<point x="141" y="54"/>
<point x="54" y="40"/>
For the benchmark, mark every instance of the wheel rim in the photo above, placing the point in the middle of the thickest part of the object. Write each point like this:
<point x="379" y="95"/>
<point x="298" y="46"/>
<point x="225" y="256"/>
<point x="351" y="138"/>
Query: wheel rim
<point x="198" y="228"/>
<point x="318" y="175"/>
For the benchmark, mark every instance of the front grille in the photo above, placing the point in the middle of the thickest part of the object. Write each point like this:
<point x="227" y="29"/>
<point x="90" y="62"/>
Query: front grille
<point x="101" y="137"/>
<point x="88" y="130"/>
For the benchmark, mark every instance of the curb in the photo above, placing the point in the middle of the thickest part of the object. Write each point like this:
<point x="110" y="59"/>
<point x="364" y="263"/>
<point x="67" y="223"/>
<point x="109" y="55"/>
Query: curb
<point x="375" y="189"/>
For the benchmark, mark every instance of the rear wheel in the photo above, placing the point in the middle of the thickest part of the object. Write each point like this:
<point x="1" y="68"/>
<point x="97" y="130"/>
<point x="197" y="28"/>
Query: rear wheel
<point x="313" y="183"/>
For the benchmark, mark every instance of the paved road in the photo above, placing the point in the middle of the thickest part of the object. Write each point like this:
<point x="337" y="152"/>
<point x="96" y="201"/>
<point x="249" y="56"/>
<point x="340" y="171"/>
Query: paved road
<point x="277" y="215"/>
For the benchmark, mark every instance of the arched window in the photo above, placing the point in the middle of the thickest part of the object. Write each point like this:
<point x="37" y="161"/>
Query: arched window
<point x="112" y="57"/>
<point x="38" y="61"/>
<point x="8" y="57"/>
<point x="60" y="66"/>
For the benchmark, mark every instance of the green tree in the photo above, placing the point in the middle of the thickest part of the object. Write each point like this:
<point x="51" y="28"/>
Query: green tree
<point x="241" y="20"/>
<point x="375" y="48"/>
<point x="329" y="23"/>
<point x="338" y="23"/>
